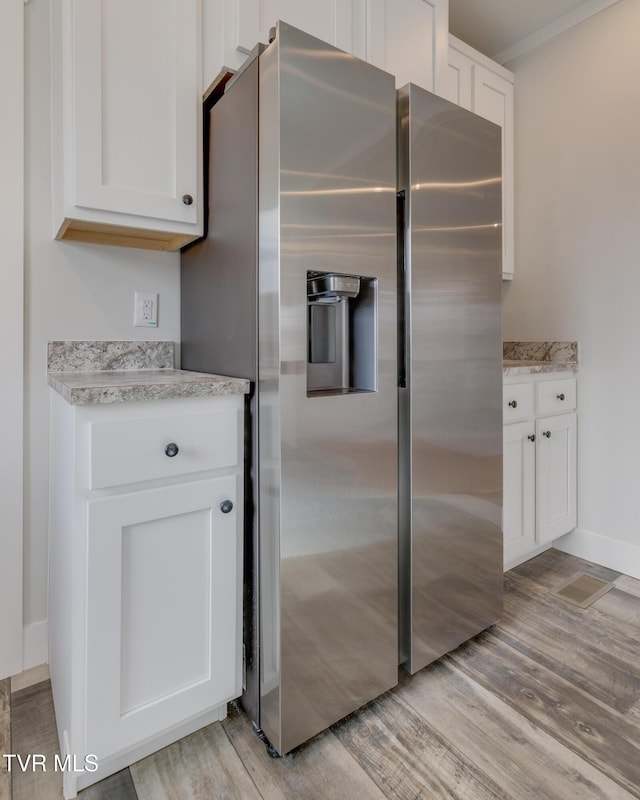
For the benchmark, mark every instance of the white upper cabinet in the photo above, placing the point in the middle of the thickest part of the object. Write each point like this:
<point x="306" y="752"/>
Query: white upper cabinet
<point x="232" y="28"/>
<point x="475" y="82"/>
<point x="409" y="38"/>
<point x="329" y="20"/>
<point x="127" y="121"/>
<point x="405" y="37"/>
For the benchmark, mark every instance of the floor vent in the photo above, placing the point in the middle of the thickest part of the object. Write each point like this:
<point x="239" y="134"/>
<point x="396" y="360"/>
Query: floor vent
<point x="582" y="589"/>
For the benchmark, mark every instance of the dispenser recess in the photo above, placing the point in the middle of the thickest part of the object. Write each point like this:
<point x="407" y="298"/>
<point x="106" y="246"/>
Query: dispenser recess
<point x="341" y="331"/>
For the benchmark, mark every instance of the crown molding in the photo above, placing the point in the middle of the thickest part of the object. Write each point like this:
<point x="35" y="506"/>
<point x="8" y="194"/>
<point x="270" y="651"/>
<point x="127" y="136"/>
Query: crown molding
<point x="554" y="28"/>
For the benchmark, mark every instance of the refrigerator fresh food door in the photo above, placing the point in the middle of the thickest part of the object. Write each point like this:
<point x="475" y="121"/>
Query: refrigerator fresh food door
<point x="450" y="410"/>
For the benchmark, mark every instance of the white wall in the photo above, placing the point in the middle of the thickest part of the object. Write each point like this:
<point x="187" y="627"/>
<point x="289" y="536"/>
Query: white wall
<point x="577" y="144"/>
<point x="73" y="291"/>
<point x="11" y="327"/>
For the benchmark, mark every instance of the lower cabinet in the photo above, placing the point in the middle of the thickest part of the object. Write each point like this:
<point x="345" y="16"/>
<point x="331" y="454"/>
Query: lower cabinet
<point x="145" y="580"/>
<point x="160" y="646"/>
<point x="540" y="458"/>
<point x="519" y="490"/>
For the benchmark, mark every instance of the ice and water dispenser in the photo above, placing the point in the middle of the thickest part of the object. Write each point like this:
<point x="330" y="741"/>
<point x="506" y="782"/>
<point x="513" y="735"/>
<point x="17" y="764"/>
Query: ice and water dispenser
<point x="341" y="327"/>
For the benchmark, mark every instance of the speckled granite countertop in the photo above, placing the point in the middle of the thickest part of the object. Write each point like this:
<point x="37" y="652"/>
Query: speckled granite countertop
<point x="530" y="358"/>
<point x="114" y="372"/>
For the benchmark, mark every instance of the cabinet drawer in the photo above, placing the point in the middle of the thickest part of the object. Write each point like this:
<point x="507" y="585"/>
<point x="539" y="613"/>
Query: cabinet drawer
<point x="554" y="397"/>
<point x="517" y="402"/>
<point x="131" y="450"/>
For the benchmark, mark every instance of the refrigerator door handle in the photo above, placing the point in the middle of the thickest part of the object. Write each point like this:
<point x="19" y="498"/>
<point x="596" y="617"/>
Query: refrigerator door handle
<point x="402" y="331"/>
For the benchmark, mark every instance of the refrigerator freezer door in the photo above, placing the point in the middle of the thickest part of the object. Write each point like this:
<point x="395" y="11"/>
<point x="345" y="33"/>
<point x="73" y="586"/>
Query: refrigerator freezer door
<point x="450" y="410"/>
<point x="328" y="485"/>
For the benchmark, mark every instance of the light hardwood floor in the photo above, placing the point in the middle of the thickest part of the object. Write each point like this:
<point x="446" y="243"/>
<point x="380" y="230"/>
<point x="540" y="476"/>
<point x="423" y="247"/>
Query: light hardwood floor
<point x="544" y="705"/>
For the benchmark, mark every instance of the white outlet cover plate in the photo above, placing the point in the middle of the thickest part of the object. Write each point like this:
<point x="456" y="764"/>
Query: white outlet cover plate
<point x="145" y="313"/>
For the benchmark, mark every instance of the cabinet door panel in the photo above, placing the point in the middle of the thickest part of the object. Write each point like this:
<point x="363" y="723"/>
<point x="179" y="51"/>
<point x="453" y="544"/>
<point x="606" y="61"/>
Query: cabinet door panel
<point x="409" y="39"/>
<point x="493" y="99"/>
<point x="458" y="83"/>
<point x="136" y="106"/>
<point x="518" y="520"/>
<point x="163" y="611"/>
<point x="164" y="606"/>
<point x="555" y="476"/>
<point x="329" y="20"/>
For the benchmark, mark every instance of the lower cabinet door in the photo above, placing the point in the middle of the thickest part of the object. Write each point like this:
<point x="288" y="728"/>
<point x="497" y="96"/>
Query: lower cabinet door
<point x="163" y="610"/>
<point x="518" y="510"/>
<point x="556" y="476"/>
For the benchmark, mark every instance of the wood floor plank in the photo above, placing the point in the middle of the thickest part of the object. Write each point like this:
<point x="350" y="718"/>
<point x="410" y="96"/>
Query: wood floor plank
<point x="30" y="677"/>
<point x="409" y="759"/>
<point x="633" y="715"/>
<point x="627" y="584"/>
<point x="33" y="730"/>
<point x="601" y="735"/>
<point x="525" y="761"/>
<point x="115" y="787"/>
<point x="320" y="769"/>
<point x="621" y="605"/>
<point x="202" y="766"/>
<point x="552" y="566"/>
<point x="5" y="738"/>
<point x="600" y="658"/>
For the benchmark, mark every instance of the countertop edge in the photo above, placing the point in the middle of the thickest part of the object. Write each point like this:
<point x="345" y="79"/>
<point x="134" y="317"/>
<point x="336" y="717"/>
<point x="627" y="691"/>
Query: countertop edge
<point x="539" y="369"/>
<point x="188" y="384"/>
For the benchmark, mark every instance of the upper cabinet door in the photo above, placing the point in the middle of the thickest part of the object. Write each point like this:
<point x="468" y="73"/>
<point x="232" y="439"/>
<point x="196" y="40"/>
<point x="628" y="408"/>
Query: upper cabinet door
<point x="127" y="111"/>
<point x="232" y="28"/>
<point x="476" y="82"/>
<point x="405" y="37"/>
<point x="459" y="75"/>
<point x="135" y="106"/>
<point x="329" y="20"/>
<point x="409" y="38"/>
<point x="493" y="99"/>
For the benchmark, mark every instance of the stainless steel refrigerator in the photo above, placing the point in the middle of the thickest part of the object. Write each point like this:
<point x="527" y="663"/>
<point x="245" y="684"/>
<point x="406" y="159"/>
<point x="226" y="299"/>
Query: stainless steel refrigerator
<point x="450" y="395"/>
<point x="295" y="288"/>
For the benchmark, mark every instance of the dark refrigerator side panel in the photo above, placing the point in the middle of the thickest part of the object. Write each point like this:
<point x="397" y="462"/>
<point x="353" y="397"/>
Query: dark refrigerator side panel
<point x="219" y="308"/>
<point x="450" y="411"/>
<point x="219" y="273"/>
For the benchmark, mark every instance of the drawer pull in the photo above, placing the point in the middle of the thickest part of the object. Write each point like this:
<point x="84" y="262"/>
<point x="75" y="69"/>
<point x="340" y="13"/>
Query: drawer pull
<point x="547" y="434"/>
<point x="226" y="506"/>
<point x="187" y="199"/>
<point x="171" y="450"/>
<point x="513" y="403"/>
<point x="531" y="437"/>
<point x="560" y="396"/>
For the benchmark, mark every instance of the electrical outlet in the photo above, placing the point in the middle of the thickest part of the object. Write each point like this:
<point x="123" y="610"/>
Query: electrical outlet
<point x="145" y="313"/>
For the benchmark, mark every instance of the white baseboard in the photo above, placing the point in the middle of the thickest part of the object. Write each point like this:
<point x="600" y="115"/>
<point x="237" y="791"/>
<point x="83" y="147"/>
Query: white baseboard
<point x="622" y="556"/>
<point x="34" y="645"/>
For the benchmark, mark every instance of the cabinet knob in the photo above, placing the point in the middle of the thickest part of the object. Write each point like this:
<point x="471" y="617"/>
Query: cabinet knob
<point x="187" y="199"/>
<point x="560" y="396"/>
<point x="531" y="437"/>
<point x="171" y="450"/>
<point x="226" y="506"/>
<point x="547" y="434"/>
<point x="513" y="403"/>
